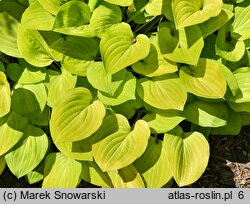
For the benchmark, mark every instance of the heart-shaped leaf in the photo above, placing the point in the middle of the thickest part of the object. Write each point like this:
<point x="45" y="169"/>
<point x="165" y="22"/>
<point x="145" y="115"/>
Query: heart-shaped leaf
<point x="29" y="153"/>
<point x="61" y="171"/>
<point x="33" y="47"/>
<point x="103" y="17"/>
<point x="204" y="80"/>
<point x="206" y="114"/>
<point x="4" y="95"/>
<point x="37" y="18"/>
<point x="29" y="100"/>
<point x="119" y="48"/>
<point x="187" y="13"/>
<point x="153" y="165"/>
<point x="115" y="145"/>
<point x="154" y="64"/>
<point x="8" y="35"/>
<point x="73" y="19"/>
<point x="163" y="93"/>
<point x="76" y="116"/>
<point x="12" y="129"/>
<point x="127" y="177"/>
<point x="187" y="154"/>
<point x="183" y="45"/>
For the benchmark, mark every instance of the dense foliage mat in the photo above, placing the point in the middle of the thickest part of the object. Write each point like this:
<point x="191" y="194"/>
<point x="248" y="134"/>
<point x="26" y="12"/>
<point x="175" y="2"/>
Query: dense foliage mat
<point x="120" y="93"/>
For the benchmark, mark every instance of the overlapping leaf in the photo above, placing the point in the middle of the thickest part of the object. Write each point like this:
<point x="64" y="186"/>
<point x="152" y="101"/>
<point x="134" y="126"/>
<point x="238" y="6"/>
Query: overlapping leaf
<point x="206" y="114"/>
<point x="187" y="154"/>
<point x="204" y="80"/>
<point x="153" y="165"/>
<point x="183" y="45"/>
<point x="119" y="47"/>
<point x="12" y="129"/>
<point x="187" y="13"/>
<point x="76" y="116"/>
<point x="163" y="93"/>
<point x="29" y="153"/>
<point x="115" y="145"/>
<point x="61" y="171"/>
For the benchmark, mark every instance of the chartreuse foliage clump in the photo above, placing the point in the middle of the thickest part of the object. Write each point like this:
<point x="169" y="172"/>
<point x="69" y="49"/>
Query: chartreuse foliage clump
<point x="120" y="93"/>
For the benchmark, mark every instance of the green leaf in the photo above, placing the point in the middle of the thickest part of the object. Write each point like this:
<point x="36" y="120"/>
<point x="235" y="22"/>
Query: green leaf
<point x="160" y="123"/>
<point x="29" y="100"/>
<point x="154" y="64"/>
<point x="123" y="93"/>
<point x="33" y="47"/>
<point x="76" y="66"/>
<point x="233" y="126"/>
<point x="119" y="48"/>
<point x="36" y="174"/>
<point x="245" y="118"/>
<point x="129" y="108"/>
<point x="112" y="89"/>
<point x="93" y="174"/>
<point x="73" y="19"/>
<point x="241" y="24"/>
<point x="241" y="102"/>
<point x="52" y="6"/>
<point x="4" y="95"/>
<point x="116" y="145"/>
<point x="206" y="114"/>
<point x="155" y="91"/>
<point x="8" y="35"/>
<point x="153" y="166"/>
<point x="214" y="23"/>
<point x="204" y="80"/>
<point x="120" y="3"/>
<point x="2" y="164"/>
<point x="228" y="47"/>
<point x="59" y="85"/>
<point x="76" y="116"/>
<point x="187" y="13"/>
<point x="12" y="8"/>
<point x="187" y="154"/>
<point x="29" y="153"/>
<point x="77" y="47"/>
<point x="78" y="150"/>
<point x="127" y="177"/>
<point x="61" y="171"/>
<point x="242" y="76"/>
<point x="37" y="18"/>
<point x="12" y="128"/>
<point x="183" y="45"/>
<point x="103" y="17"/>
<point x="32" y="75"/>
<point x="157" y="7"/>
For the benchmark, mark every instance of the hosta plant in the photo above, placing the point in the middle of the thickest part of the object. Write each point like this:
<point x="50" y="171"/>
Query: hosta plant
<point x="120" y="94"/>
